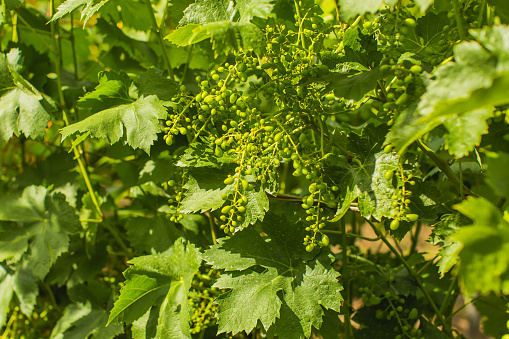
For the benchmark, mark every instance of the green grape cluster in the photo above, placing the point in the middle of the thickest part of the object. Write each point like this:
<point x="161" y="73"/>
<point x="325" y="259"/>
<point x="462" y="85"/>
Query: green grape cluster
<point x="391" y="306"/>
<point x="176" y="192"/>
<point x="201" y="300"/>
<point x="262" y="112"/>
<point x="401" y="199"/>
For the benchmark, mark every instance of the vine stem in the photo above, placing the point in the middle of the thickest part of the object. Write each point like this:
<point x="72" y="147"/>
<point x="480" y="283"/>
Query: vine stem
<point x="160" y="40"/>
<point x="58" y="70"/>
<point x="346" y="278"/>
<point x="212" y="227"/>
<point x="446" y="327"/>
<point x="443" y="166"/>
<point x="449" y="294"/>
<point x="351" y="235"/>
<point x="459" y="22"/>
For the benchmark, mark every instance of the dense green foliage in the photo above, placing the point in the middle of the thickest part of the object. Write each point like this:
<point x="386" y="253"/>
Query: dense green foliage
<point x="222" y="169"/>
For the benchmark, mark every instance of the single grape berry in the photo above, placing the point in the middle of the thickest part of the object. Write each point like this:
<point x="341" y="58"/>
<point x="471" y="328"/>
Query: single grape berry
<point x="394" y="224"/>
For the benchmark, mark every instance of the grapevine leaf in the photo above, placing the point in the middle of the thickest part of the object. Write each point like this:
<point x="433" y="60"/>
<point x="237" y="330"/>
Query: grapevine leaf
<point x="497" y="172"/>
<point x="167" y="275"/>
<point x="501" y="9"/>
<point x="427" y="33"/>
<point x="203" y="155"/>
<point x="484" y="266"/>
<point x="352" y="8"/>
<point x="225" y="35"/>
<point x="363" y="177"/>
<point x="23" y="109"/>
<point x="6" y="286"/>
<point x="153" y="81"/>
<point x="478" y="79"/>
<point x="204" y="189"/>
<point x="466" y="131"/>
<point x="82" y="320"/>
<point x="305" y="285"/>
<point x="148" y="234"/>
<point x="13" y="4"/>
<point x="131" y="13"/>
<point x="494" y="316"/>
<point x="356" y="86"/>
<point x="25" y="286"/>
<point x="257" y="205"/>
<point x="360" y="48"/>
<point x="47" y="219"/>
<point x="138" y="120"/>
<point x="249" y="9"/>
<point x="89" y="9"/>
<point x="441" y="236"/>
<point x="203" y="11"/>
<point x="424" y="4"/>
<point x="113" y="90"/>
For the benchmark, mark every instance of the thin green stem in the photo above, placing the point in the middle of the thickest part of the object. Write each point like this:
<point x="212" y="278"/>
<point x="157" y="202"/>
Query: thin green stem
<point x="346" y="280"/>
<point x="212" y="227"/>
<point x="73" y="46"/>
<point x="459" y="21"/>
<point x="449" y="295"/>
<point x="160" y="40"/>
<point x="443" y="166"/>
<point x="415" y="237"/>
<point x="51" y="296"/>
<point x="351" y="235"/>
<point x="186" y="67"/>
<point x="118" y="238"/>
<point x="446" y="327"/>
<point x="58" y="71"/>
<point x="481" y="13"/>
<point x="473" y="300"/>
<point x="300" y="37"/>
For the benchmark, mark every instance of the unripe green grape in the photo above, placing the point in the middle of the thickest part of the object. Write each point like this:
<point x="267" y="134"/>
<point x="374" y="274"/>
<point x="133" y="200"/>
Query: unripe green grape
<point x="416" y="69"/>
<point x="410" y="22"/>
<point x="310" y="247"/>
<point x="413" y="313"/>
<point x="403" y="99"/>
<point x="226" y="209"/>
<point x="310" y="200"/>
<point x="325" y="240"/>
<point x="379" y="314"/>
<point x="412" y="217"/>
<point x="394" y="224"/>
<point x="228" y="181"/>
<point x="389" y="174"/>
<point x="388" y="149"/>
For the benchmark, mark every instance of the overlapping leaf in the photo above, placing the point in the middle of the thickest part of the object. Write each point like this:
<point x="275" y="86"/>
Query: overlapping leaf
<point x="462" y="93"/>
<point x="89" y="9"/>
<point x="352" y="8"/>
<point x="167" y="276"/>
<point x="287" y="295"/>
<point x="117" y="115"/>
<point x="47" y="222"/>
<point x="148" y="234"/>
<point x="84" y="320"/>
<point x="362" y="177"/>
<point x="6" y="285"/>
<point x="484" y="265"/>
<point x="23" y="109"/>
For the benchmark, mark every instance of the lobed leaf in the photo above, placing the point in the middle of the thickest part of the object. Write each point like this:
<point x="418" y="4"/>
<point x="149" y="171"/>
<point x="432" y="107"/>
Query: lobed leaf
<point x="287" y="295"/>
<point x="167" y="275"/>
<point x="137" y="122"/>
<point x="48" y="221"/>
